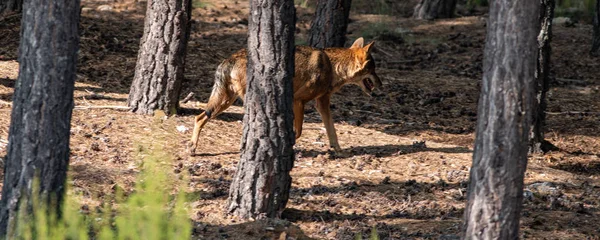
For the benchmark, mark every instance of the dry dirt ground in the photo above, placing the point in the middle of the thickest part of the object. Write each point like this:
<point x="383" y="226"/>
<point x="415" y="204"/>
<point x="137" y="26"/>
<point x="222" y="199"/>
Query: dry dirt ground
<point x="409" y="147"/>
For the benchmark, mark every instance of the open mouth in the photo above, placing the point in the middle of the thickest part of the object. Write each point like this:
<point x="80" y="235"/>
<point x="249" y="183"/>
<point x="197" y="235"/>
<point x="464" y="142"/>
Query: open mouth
<point x="368" y="84"/>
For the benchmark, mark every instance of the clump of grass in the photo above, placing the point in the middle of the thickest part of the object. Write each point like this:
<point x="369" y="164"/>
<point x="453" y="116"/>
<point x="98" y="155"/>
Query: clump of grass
<point x="150" y="212"/>
<point x="201" y="4"/>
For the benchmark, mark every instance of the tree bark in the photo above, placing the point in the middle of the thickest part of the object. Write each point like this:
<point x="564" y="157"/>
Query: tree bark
<point x="328" y="28"/>
<point x="596" y="37"/>
<point x="10" y="6"/>
<point x="435" y="9"/>
<point x="42" y="105"/>
<point x="161" y="59"/>
<point x="262" y="181"/>
<point x="504" y="117"/>
<point x="537" y="142"/>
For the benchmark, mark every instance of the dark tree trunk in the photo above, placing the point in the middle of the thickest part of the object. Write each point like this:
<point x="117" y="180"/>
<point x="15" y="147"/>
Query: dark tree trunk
<point x="161" y="60"/>
<point x="9" y="6"/>
<point x="435" y="9"/>
<point x="328" y="28"/>
<point x="596" y="37"/>
<point x="42" y="105"/>
<point x="537" y="142"/>
<point x="262" y="181"/>
<point x="504" y="117"/>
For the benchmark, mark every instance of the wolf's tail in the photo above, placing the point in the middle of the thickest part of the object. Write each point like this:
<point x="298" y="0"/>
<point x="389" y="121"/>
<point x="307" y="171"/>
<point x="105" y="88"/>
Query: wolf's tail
<point x="220" y="87"/>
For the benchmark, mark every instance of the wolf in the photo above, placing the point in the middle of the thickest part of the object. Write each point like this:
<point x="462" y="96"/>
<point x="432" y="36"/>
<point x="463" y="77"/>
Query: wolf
<point x="318" y="74"/>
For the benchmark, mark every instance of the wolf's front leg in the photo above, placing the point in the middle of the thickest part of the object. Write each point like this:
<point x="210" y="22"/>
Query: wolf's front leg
<point x="323" y="104"/>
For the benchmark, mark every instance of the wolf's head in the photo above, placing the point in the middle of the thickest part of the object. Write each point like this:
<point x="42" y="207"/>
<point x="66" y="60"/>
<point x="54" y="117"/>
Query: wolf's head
<point x="363" y="72"/>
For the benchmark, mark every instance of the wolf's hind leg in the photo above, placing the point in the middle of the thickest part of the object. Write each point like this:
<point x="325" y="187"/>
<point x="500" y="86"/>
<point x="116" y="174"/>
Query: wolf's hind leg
<point x="298" y="117"/>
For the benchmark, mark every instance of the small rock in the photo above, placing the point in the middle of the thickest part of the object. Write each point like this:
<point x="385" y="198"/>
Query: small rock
<point x="545" y="188"/>
<point x="104" y="8"/>
<point x="95" y="146"/>
<point x="527" y="195"/>
<point x="182" y="129"/>
<point x="86" y="9"/>
<point x="386" y="180"/>
<point x="419" y="144"/>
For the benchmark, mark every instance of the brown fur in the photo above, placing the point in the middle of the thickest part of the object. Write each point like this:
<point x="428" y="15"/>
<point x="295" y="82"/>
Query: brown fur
<point x="318" y="74"/>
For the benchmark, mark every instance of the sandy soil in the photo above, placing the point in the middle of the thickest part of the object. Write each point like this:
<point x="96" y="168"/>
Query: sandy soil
<point x="409" y="146"/>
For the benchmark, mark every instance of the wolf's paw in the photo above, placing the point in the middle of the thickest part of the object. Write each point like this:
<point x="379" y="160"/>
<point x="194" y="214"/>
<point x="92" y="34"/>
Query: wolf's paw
<point x="191" y="148"/>
<point x="339" y="153"/>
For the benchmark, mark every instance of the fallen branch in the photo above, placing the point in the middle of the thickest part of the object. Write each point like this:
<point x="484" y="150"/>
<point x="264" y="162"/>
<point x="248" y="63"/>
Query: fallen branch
<point x="566" y="80"/>
<point x="573" y="113"/>
<point x="384" y="52"/>
<point x="368" y="112"/>
<point x="404" y="61"/>
<point x="188" y="97"/>
<point x="101" y="107"/>
<point x="385" y="120"/>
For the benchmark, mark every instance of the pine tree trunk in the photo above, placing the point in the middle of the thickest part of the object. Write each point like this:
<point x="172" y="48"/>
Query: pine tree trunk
<point x="262" y="181"/>
<point x="504" y="117"/>
<point x="435" y="9"/>
<point x="596" y="37"/>
<point x="328" y="28"/>
<point x="161" y="59"/>
<point x="10" y="6"/>
<point x="42" y="105"/>
<point x="537" y="142"/>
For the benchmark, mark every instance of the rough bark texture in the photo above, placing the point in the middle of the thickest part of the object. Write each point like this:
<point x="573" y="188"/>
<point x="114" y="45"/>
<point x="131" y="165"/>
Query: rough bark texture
<point x="435" y="9"/>
<point x="596" y="37"/>
<point x="10" y="6"/>
<point x="537" y="143"/>
<point x="161" y="59"/>
<point x="42" y="105"/>
<point x="504" y="117"/>
<point x="328" y="28"/>
<point x="262" y="181"/>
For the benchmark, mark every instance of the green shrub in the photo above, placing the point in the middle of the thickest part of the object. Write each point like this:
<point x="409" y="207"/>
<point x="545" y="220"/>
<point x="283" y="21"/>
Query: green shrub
<point x="149" y="212"/>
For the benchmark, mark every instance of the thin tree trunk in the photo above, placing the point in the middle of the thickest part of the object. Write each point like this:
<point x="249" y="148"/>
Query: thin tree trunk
<point x="42" y="105"/>
<point x="435" y="9"/>
<point x="262" y="181"/>
<point x="161" y="60"/>
<point x="596" y="37"/>
<point x="537" y="142"/>
<point x="10" y="6"/>
<point x="504" y="117"/>
<point x="328" y="28"/>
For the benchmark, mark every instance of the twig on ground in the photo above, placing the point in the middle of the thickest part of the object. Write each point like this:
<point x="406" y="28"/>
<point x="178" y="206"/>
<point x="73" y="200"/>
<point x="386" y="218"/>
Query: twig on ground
<point x="385" y="120"/>
<point x="573" y="113"/>
<point x="566" y="80"/>
<point x="188" y="97"/>
<point x="101" y="107"/>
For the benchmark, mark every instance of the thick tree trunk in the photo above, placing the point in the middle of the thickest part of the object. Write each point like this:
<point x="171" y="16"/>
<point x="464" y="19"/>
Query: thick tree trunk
<point x="596" y="37"/>
<point x="537" y="142"/>
<point x="161" y="60"/>
<point x="262" y="181"/>
<point x="503" y="121"/>
<point x="42" y="105"/>
<point x="328" y="28"/>
<point x="435" y="9"/>
<point x="9" y="6"/>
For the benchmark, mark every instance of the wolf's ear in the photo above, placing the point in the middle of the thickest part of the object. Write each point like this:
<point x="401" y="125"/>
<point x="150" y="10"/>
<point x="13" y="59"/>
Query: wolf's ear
<point x="365" y="64"/>
<point x="358" y="43"/>
<point x="369" y="47"/>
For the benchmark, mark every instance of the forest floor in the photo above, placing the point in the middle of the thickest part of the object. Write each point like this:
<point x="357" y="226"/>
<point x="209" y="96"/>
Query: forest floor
<point x="409" y="146"/>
